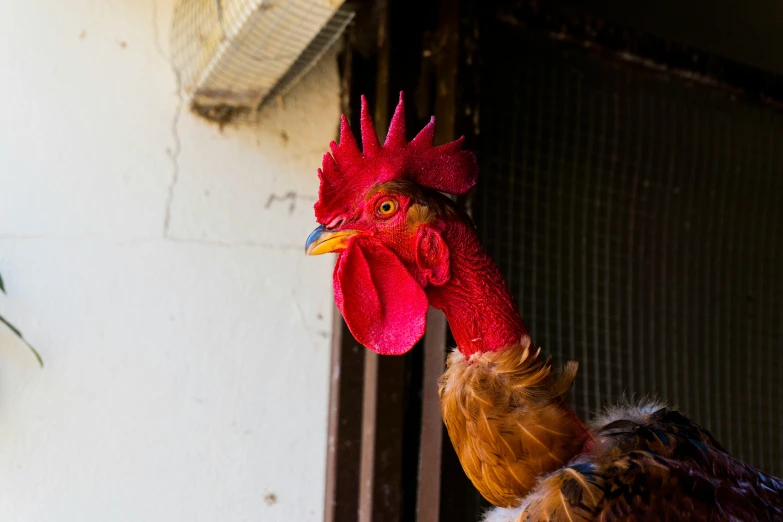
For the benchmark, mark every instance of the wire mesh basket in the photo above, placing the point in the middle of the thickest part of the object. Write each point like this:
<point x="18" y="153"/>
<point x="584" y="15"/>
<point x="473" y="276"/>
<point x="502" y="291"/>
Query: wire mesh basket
<point x="232" y="55"/>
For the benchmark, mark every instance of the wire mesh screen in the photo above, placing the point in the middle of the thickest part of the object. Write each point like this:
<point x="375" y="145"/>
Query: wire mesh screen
<point x="638" y="220"/>
<point x="233" y="54"/>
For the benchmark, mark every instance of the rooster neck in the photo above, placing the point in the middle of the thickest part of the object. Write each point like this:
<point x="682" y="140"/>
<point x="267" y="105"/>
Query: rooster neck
<point x="501" y="402"/>
<point x="476" y="300"/>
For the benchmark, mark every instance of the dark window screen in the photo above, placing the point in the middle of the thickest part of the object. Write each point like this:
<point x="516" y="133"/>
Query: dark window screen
<point x="637" y="217"/>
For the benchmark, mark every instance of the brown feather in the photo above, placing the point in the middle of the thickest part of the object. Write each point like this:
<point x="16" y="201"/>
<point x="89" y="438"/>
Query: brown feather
<point x="505" y="417"/>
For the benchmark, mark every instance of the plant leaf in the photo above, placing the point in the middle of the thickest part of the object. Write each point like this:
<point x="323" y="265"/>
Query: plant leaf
<point x="21" y="338"/>
<point x="2" y="287"/>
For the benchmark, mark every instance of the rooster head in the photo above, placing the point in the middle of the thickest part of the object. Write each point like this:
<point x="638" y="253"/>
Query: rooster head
<point x="382" y="210"/>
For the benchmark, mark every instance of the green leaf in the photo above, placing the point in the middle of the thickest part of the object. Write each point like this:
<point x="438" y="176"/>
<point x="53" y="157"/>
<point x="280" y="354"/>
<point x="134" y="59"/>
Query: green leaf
<point x="2" y="287"/>
<point x="21" y="338"/>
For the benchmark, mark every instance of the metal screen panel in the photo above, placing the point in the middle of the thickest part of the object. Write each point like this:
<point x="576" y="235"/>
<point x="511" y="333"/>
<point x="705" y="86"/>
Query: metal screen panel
<point x="637" y="217"/>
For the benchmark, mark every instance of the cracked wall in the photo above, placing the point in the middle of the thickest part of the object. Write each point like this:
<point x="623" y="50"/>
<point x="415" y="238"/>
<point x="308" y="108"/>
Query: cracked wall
<point x="157" y="263"/>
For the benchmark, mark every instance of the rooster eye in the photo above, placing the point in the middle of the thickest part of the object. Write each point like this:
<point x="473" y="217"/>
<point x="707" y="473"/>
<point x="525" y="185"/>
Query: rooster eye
<point x="387" y="207"/>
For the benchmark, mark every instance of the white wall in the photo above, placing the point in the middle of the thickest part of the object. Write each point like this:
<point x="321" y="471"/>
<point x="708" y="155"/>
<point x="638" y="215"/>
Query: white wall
<point x="186" y="369"/>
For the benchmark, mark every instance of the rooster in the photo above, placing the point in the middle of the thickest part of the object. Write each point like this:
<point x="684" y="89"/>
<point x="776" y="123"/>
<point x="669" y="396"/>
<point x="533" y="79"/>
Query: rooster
<point x="404" y="246"/>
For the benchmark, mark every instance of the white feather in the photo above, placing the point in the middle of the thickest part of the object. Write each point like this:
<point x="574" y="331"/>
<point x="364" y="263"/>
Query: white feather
<point x="638" y="412"/>
<point x="502" y="514"/>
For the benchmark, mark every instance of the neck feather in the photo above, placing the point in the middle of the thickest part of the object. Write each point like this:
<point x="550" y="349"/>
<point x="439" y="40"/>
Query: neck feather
<point x="476" y="300"/>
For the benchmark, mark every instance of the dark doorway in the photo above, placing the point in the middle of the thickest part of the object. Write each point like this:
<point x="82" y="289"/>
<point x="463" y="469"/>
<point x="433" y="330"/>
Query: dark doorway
<point x="630" y="190"/>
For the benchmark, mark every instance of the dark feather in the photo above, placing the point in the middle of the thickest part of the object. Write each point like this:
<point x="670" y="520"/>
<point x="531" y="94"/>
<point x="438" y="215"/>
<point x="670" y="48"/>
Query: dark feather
<point x="657" y="466"/>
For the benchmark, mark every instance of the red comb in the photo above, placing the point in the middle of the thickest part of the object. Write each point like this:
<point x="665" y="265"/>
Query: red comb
<point x="347" y="173"/>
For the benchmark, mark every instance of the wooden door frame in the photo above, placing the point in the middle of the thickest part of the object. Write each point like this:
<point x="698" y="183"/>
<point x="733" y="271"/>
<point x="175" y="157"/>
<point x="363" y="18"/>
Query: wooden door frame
<point x="388" y="454"/>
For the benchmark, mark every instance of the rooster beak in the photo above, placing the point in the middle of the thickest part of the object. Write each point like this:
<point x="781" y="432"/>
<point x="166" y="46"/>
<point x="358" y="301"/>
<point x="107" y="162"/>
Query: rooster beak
<point x="323" y="241"/>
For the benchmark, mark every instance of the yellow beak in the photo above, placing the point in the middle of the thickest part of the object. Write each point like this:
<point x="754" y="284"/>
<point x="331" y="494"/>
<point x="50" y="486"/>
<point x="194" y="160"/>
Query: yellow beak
<point x="323" y="241"/>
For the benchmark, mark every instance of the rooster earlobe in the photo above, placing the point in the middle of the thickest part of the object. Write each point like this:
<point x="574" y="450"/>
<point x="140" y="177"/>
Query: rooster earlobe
<point x="432" y="257"/>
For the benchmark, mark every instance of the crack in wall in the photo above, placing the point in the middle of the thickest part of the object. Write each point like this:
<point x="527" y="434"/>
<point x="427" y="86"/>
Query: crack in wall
<point x="233" y="244"/>
<point x="174" y="151"/>
<point x="302" y="319"/>
<point x="144" y="240"/>
<point x="24" y="237"/>
<point x="291" y="197"/>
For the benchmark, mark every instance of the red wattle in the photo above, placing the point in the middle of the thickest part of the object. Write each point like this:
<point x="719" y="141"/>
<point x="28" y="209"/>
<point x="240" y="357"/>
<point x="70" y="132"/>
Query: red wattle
<point x="383" y="305"/>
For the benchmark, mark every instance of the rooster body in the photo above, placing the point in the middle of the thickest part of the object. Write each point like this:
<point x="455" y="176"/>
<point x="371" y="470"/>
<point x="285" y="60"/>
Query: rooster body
<point x="650" y="463"/>
<point x="403" y="246"/>
<point x="637" y="462"/>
